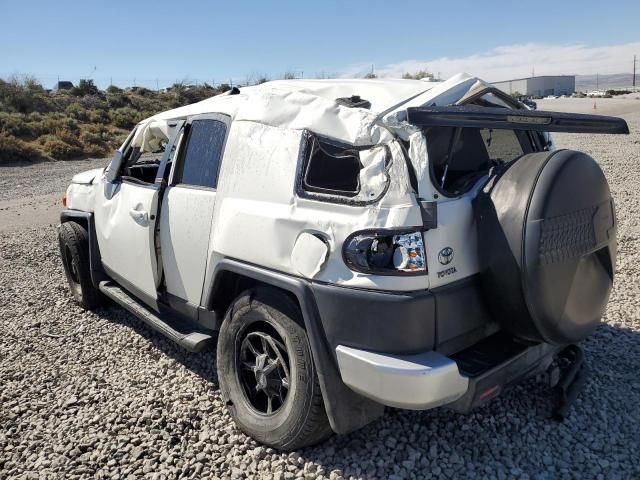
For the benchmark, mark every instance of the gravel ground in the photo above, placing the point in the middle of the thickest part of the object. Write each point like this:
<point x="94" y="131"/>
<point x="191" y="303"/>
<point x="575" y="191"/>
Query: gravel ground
<point x="97" y="395"/>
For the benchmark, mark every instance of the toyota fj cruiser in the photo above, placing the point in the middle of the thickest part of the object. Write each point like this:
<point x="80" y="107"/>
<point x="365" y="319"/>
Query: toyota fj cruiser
<point x="353" y="244"/>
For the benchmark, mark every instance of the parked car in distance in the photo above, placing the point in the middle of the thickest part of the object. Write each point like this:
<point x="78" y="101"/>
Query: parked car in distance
<point x="528" y="102"/>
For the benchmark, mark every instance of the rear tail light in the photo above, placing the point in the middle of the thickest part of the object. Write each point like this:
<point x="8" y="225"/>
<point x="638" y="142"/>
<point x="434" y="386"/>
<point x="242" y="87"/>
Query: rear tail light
<point x="386" y="252"/>
<point x="64" y="200"/>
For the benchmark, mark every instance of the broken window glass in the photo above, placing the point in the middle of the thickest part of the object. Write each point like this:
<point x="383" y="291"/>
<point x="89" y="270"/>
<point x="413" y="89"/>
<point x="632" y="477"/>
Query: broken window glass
<point x="459" y="157"/>
<point x="332" y="169"/>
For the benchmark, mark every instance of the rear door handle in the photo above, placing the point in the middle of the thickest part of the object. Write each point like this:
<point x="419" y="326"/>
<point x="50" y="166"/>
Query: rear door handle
<point x="139" y="216"/>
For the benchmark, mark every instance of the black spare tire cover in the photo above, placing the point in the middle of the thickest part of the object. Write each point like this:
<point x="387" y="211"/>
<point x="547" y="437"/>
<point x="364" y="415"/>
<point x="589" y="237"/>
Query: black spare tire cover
<point x="547" y="245"/>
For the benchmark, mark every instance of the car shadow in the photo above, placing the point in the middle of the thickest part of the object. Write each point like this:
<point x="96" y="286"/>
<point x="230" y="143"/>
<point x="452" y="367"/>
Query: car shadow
<point x="202" y="363"/>
<point x="514" y="434"/>
<point x="511" y="436"/>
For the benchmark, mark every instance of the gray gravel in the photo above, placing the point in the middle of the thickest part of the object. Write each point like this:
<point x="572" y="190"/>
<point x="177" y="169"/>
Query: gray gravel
<point x="42" y="178"/>
<point x="96" y="395"/>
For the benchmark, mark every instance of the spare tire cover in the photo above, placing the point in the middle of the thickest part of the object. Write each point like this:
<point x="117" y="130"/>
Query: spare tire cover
<point x="547" y="245"/>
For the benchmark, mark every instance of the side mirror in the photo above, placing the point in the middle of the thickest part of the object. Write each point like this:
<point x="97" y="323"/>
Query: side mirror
<point x="114" y="167"/>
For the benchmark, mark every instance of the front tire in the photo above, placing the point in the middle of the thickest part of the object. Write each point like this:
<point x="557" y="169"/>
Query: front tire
<point x="266" y="372"/>
<point x="74" y="251"/>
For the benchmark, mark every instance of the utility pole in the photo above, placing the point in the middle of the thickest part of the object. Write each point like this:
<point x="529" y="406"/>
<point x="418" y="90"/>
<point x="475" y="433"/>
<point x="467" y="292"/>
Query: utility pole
<point x="597" y="82"/>
<point x="634" y="73"/>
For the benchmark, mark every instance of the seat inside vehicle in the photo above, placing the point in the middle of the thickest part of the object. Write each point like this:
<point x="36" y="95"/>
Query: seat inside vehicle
<point x="143" y="167"/>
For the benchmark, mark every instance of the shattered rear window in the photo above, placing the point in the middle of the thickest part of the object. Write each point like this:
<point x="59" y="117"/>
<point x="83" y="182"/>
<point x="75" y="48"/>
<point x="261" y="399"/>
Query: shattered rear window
<point x="341" y="173"/>
<point x="332" y="169"/>
<point x="459" y="157"/>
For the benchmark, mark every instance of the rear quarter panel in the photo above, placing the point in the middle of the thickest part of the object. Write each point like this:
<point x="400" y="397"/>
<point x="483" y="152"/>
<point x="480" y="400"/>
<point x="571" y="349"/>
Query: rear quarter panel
<point x="258" y="217"/>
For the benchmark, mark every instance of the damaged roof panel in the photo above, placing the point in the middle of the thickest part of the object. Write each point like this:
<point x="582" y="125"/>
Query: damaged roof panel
<point x="313" y="105"/>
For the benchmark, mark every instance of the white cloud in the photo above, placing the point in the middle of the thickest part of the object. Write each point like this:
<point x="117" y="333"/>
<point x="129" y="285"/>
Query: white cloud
<point x="515" y="61"/>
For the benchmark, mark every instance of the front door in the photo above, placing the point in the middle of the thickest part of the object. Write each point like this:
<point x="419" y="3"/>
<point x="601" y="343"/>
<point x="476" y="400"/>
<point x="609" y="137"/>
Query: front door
<point x="125" y="212"/>
<point x="125" y="222"/>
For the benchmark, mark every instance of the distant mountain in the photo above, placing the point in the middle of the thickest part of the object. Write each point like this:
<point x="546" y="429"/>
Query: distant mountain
<point x="606" y="82"/>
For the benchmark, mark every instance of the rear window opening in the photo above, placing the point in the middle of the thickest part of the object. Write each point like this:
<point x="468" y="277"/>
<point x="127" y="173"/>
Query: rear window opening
<point x="332" y="169"/>
<point x="459" y="157"/>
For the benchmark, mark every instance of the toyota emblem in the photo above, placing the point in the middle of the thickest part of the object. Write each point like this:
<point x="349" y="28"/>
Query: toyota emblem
<point x="445" y="257"/>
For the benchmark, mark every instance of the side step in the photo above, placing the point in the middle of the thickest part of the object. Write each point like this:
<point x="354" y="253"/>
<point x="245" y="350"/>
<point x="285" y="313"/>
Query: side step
<point x="187" y="334"/>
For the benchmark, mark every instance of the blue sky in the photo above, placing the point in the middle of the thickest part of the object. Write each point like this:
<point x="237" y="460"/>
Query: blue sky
<point x="217" y="41"/>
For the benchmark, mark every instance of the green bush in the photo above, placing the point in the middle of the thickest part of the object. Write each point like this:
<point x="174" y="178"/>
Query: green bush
<point x="22" y="96"/>
<point x="14" y="150"/>
<point x="15" y="124"/>
<point x="98" y="116"/>
<point x="78" y="112"/>
<point x="53" y="123"/>
<point x="60" y="149"/>
<point x="64" y="124"/>
<point x="113" y="89"/>
<point x="85" y="87"/>
<point x="118" y="100"/>
<point x="93" y="136"/>
<point x="124" y="117"/>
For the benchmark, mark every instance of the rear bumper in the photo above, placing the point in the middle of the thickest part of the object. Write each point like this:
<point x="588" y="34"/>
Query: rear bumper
<point x="446" y="319"/>
<point x="415" y="382"/>
<point x="490" y="383"/>
<point x="430" y="379"/>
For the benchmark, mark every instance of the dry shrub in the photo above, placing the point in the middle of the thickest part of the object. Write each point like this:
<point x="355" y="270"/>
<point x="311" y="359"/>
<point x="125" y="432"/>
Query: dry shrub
<point x="14" y="150"/>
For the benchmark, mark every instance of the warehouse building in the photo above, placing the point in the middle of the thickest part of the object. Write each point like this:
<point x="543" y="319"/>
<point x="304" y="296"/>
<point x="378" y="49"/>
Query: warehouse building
<point x="540" y="86"/>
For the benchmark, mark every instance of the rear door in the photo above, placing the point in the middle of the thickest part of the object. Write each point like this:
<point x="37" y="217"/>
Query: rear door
<point x="187" y="209"/>
<point x="462" y="144"/>
<point x="475" y="116"/>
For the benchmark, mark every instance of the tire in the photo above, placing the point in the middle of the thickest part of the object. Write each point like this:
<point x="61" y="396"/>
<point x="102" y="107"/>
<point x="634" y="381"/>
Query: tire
<point x="295" y="417"/>
<point x="74" y="251"/>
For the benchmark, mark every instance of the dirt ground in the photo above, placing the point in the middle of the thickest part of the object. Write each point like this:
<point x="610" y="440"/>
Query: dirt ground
<point x="31" y="195"/>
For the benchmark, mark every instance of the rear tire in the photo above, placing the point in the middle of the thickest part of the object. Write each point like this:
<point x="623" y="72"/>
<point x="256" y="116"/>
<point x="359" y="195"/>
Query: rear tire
<point x="74" y="251"/>
<point x="266" y="372"/>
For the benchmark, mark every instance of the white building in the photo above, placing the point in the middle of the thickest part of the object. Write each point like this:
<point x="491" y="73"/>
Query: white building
<point x="539" y="86"/>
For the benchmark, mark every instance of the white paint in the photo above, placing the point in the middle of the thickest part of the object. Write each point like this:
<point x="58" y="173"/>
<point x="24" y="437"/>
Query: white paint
<point x="456" y="229"/>
<point x="80" y="197"/>
<point x="309" y="254"/>
<point x="87" y="177"/>
<point x="311" y="105"/>
<point x="126" y="243"/>
<point x="418" y="382"/>
<point x="257" y="217"/>
<point x="185" y="226"/>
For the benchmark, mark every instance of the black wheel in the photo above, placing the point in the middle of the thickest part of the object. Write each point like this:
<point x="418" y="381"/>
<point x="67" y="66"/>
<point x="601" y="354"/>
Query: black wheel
<point x="74" y="250"/>
<point x="266" y="372"/>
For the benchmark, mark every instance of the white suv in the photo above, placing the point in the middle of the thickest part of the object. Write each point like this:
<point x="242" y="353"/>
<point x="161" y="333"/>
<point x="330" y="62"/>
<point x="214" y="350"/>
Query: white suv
<point x="355" y="244"/>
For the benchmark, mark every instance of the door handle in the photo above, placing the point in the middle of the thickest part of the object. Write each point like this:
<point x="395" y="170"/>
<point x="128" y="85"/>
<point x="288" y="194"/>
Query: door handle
<point x="139" y="216"/>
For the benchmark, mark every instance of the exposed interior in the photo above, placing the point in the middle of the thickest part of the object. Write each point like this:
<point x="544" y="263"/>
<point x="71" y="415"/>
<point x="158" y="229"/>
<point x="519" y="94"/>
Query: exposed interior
<point x="141" y="167"/>
<point x="459" y="157"/>
<point x="332" y="169"/>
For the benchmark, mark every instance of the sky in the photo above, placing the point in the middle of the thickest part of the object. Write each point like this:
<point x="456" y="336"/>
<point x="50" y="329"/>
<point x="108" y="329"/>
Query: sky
<point x="156" y="43"/>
